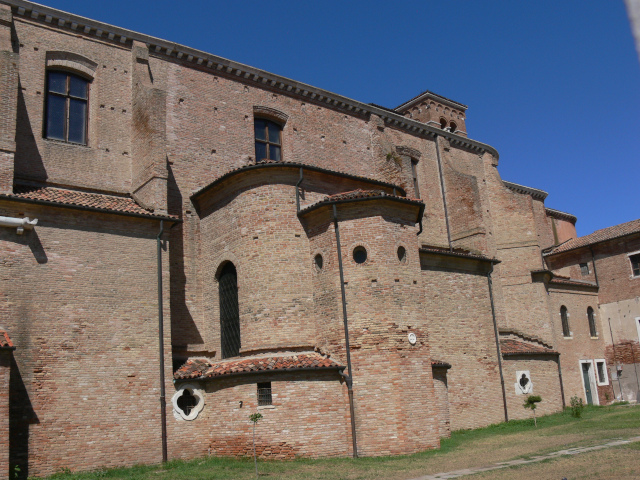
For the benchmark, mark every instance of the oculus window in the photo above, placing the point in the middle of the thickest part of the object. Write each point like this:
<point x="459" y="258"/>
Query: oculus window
<point x="66" y="110"/>
<point x="268" y="137"/>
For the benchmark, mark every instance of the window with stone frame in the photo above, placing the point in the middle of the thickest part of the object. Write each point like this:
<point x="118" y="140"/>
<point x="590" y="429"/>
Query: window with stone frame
<point x="264" y="394"/>
<point x="564" y="317"/>
<point x="66" y="116"/>
<point x="268" y="139"/>
<point x="635" y="264"/>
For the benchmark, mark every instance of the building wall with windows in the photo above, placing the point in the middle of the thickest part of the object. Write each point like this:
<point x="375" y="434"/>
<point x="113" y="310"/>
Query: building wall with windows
<point x="287" y="220"/>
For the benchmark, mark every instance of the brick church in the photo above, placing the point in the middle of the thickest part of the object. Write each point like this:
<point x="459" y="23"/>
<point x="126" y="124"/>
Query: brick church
<point x="187" y="240"/>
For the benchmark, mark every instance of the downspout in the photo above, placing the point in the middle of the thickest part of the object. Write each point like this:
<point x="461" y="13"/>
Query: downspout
<point x="348" y="378"/>
<point x="298" y="191"/>
<point x="163" y="405"/>
<point x="564" y="403"/>
<point x="20" y="224"/>
<point x="495" y="331"/>
<point x="444" y="197"/>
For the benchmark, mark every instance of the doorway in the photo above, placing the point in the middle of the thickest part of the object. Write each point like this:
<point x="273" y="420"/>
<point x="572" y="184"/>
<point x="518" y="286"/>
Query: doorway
<point x="589" y="382"/>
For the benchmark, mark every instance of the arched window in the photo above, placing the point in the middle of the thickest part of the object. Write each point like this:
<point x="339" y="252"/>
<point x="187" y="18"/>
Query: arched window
<point x="592" y="322"/>
<point x="268" y="140"/>
<point x="443" y="123"/>
<point x="564" y="315"/>
<point x="229" y="311"/>
<point x="66" y="117"/>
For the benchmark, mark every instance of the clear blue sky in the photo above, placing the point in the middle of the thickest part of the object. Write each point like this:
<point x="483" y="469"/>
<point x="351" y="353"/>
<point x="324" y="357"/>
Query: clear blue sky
<point x="554" y="86"/>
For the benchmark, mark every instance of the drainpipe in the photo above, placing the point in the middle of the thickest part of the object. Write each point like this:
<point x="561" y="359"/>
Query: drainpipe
<point x="163" y="404"/>
<point x="20" y="224"/>
<point x="444" y="197"/>
<point x="348" y="378"/>
<point x="495" y="331"/>
<point x="564" y="404"/>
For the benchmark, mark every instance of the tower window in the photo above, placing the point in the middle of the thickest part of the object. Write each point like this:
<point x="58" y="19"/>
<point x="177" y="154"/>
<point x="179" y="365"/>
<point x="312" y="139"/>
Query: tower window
<point x="443" y="123"/>
<point x="66" y="115"/>
<point x="453" y="127"/>
<point x="268" y="136"/>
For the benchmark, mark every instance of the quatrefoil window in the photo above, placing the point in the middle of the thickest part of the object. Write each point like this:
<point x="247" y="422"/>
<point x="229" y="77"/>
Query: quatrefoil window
<point x="188" y="402"/>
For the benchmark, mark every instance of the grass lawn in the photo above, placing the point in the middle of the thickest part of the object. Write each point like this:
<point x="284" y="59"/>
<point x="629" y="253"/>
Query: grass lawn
<point x="465" y="449"/>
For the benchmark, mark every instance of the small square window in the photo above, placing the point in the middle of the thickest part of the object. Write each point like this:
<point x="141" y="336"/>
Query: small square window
<point x="635" y="264"/>
<point x="264" y="393"/>
<point x="584" y="268"/>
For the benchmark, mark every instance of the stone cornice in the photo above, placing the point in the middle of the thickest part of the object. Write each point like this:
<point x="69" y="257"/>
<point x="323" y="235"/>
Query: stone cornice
<point x="534" y="192"/>
<point x="561" y="215"/>
<point x="199" y="59"/>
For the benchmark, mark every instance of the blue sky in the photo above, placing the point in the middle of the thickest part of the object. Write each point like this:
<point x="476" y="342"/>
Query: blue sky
<point x="554" y="86"/>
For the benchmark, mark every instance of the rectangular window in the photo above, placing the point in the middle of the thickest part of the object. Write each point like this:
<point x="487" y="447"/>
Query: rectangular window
<point x="264" y="393"/>
<point x="635" y="264"/>
<point x="584" y="268"/>
<point x="66" y="115"/>
<point x="414" y="173"/>
<point x="601" y="370"/>
<point x="268" y="138"/>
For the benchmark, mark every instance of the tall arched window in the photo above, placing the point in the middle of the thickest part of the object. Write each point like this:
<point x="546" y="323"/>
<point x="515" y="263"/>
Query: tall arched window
<point x="592" y="322"/>
<point x="229" y="311"/>
<point x="564" y="315"/>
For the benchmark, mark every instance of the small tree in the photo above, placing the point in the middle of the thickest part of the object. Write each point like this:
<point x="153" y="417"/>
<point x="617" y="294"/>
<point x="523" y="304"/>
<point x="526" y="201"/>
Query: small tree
<point x="532" y="403"/>
<point x="255" y="418"/>
<point x="577" y="405"/>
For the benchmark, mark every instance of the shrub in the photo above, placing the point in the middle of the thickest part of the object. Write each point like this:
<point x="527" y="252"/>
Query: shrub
<point x="577" y="405"/>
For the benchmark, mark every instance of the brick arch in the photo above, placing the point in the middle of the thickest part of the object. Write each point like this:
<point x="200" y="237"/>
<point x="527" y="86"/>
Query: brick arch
<point x="71" y="61"/>
<point x="270" y="114"/>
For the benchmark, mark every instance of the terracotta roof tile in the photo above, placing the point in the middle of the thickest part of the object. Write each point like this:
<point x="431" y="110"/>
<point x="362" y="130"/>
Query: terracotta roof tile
<point x="360" y="194"/>
<point x="203" y="368"/>
<point x="5" y="341"/>
<point x="98" y="201"/>
<point x="514" y="347"/>
<point x="457" y="252"/>
<point x="598" y="236"/>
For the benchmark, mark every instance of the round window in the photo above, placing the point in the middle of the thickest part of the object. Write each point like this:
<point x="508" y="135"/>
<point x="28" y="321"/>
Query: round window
<point x="318" y="261"/>
<point x="402" y="254"/>
<point x="360" y="254"/>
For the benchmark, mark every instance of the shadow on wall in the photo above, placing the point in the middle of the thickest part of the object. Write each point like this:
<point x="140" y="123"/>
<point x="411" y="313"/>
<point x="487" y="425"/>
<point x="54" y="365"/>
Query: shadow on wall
<point x="21" y="415"/>
<point x="28" y="161"/>
<point x="183" y="329"/>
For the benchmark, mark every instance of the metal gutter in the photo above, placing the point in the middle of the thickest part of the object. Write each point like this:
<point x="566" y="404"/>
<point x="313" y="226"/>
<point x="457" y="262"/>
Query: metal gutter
<point x="206" y="61"/>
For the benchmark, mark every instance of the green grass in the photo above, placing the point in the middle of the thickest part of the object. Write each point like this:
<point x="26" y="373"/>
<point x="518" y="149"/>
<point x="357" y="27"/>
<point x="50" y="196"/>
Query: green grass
<point x="466" y="448"/>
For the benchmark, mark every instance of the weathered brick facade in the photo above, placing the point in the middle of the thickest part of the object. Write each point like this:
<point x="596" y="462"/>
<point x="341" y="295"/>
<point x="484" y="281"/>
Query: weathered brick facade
<point x="453" y="298"/>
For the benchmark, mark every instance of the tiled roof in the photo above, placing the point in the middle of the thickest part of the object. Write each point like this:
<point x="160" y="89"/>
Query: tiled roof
<point x="457" y="252"/>
<point x="273" y="163"/>
<point x="5" y="341"/>
<point x="514" y="347"/>
<point x="359" y="194"/>
<point x="596" y="237"/>
<point x="435" y="96"/>
<point x="94" y="201"/>
<point x="203" y="368"/>
<point x="569" y="281"/>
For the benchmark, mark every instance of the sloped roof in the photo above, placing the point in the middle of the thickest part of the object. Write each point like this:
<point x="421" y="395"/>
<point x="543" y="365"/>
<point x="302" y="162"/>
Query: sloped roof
<point x="456" y="252"/>
<point x="201" y="368"/>
<point x="358" y="194"/>
<point x="5" y="341"/>
<point x="514" y="347"/>
<point x="598" y="236"/>
<point x="93" y="201"/>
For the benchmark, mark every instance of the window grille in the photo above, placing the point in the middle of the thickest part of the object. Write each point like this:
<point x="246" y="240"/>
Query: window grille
<point x="584" y="268"/>
<point x="564" y="315"/>
<point x="229" y="312"/>
<point x="187" y="401"/>
<point x="264" y="393"/>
